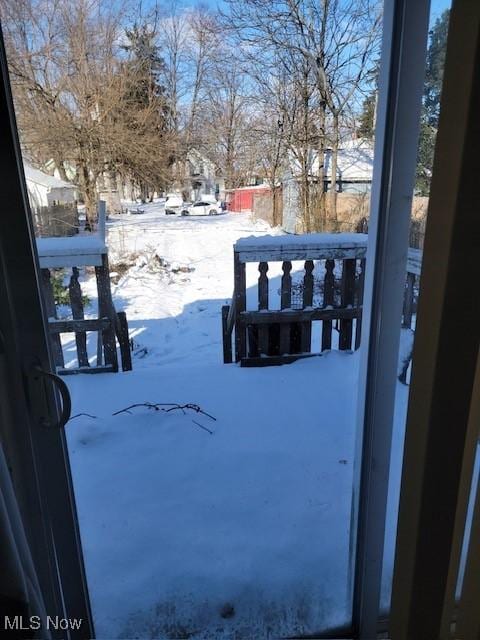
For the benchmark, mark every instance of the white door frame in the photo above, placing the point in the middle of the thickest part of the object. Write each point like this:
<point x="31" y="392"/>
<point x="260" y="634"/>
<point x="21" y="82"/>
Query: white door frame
<point x="404" y="45"/>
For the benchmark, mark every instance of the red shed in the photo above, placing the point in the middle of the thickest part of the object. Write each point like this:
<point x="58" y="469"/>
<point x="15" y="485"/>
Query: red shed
<point x="241" y="199"/>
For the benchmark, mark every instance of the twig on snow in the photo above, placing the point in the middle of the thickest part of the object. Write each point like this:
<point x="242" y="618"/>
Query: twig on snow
<point x="192" y="407"/>
<point x="202" y="427"/>
<point x="167" y="407"/>
<point x="150" y="405"/>
<point x="88" y="415"/>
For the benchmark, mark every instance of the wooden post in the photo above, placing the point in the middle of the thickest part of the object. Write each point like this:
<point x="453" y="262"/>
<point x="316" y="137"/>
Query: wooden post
<point x="227" y="337"/>
<point x="360" y="288"/>
<point x="101" y="219"/>
<point x="106" y="310"/>
<point x="123" y="341"/>
<point x="328" y="301"/>
<point x="49" y="300"/>
<point x="348" y="300"/>
<point x="76" y="303"/>
<point x="408" y="301"/>
<point x="240" y="305"/>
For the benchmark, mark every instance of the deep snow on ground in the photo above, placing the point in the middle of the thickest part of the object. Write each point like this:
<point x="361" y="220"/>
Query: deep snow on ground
<point x="240" y="533"/>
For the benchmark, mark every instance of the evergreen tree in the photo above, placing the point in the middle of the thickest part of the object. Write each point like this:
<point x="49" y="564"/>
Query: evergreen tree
<point x="145" y="95"/>
<point x="434" y="68"/>
<point x="366" y="127"/>
<point x="145" y="64"/>
<point x="431" y="102"/>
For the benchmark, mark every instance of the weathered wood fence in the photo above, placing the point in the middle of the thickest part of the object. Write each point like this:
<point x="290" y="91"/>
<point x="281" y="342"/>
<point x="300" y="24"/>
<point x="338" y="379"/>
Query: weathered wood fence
<point x="329" y="291"/>
<point x="56" y="220"/>
<point x="84" y="251"/>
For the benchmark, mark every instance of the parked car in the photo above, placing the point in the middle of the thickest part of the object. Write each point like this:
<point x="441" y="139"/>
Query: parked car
<point x="204" y="207"/>
<point x="135" y="210"/>
<point x="174" y="204"/>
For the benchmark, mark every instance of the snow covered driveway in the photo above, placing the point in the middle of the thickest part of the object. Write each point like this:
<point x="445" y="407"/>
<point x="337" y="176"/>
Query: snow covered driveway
<point x="237" y="527"/>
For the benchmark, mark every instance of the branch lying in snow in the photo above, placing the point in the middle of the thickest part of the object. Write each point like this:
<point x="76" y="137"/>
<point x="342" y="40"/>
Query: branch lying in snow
<point x="162" y="406"/>
<point x="202" y="427"/>
<point x="167" y="407"/>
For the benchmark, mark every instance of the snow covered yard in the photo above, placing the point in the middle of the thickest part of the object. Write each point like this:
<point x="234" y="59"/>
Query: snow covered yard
<point x="193" y="527"/>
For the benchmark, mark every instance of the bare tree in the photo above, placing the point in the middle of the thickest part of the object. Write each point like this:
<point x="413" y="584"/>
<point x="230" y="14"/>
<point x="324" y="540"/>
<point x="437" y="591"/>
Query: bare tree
<point x="200" y="54"/>
<point x="225" y="119"/>
<point x="329" y="42"/>
<point x="172" y="37"/>
<point x="74" y="93"/>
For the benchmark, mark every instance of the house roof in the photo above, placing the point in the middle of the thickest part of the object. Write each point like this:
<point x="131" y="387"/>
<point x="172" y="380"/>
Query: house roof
<point x="45" y="180"/>
<point x="354" y="162"/>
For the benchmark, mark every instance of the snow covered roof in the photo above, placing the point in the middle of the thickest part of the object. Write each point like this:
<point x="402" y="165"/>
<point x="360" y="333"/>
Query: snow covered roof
<point x="196" y="155"/>
<point x="355" y="161"/>
<point x="51" y="182"/>
<point x="258" y="187"/>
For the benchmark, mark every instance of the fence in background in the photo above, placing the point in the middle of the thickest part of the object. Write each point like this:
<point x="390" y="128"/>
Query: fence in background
<point x="57" y="220"/>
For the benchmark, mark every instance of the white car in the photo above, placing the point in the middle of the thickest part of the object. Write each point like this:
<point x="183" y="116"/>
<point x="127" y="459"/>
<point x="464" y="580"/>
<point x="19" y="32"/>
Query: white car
<point x="174" y="204"/>
<point x="206" y="207"/>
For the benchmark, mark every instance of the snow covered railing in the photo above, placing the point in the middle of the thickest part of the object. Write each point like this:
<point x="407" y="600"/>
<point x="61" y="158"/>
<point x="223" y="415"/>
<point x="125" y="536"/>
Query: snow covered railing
<point x="329" y="290"/>
<point x="110" y="326"/>
<point x="312" y="246"/>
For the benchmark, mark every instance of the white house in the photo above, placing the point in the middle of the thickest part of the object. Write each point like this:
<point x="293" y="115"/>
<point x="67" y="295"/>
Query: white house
<point x="197" y="175"/>
<point x="354" y="166"/>
<point x="354" y="177"/>
<point x="45" y="190"/>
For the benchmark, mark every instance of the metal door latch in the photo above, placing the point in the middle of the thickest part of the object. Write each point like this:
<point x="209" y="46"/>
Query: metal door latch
<point x="37" y="373"/>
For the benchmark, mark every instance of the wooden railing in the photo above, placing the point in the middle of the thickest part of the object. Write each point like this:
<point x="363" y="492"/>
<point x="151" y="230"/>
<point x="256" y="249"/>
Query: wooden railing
<point x="330" y="291"/>
<point x="72" y="253"/>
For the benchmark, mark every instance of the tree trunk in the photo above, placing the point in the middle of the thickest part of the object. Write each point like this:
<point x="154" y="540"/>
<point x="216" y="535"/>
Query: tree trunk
<point x="332" y="221"/>
<point x="88" y="187"/>
<point x="276" y="217"/>
<point x="320" y="208"/>
<point x="305" y="196"/>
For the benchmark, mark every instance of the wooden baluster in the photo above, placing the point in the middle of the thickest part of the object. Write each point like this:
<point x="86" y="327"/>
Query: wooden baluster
<point x="76" y="303"/>
<point x="263" y="330"/>
<point x="285" y="303"/>
<point x="106" y="310"/>
<point x="263" y="286"/>
<point x="227" y="339"/>
<point x="408" y="301"/>
<point x="360" y="289"/>
<point x="51" y="310"/>
<point x="328" y="301"/>
<point x="240" y="306"/>
<point x="124" y="341"/>
<point x="347" y="300"/>
<point x="306" y="327"/>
